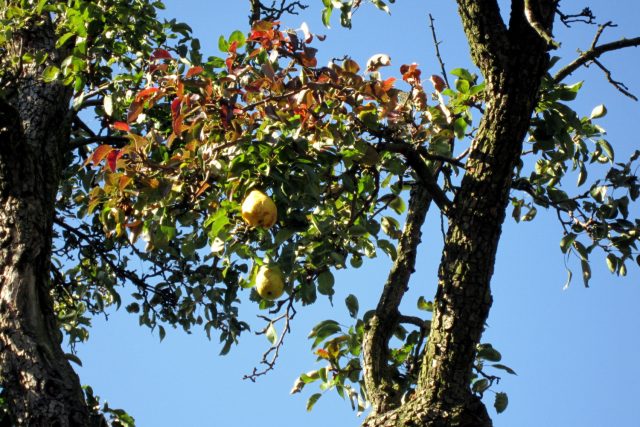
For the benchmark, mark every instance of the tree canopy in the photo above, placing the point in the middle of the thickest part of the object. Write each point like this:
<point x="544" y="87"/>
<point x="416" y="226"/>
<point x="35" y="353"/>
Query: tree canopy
<point x="152" y="197"/>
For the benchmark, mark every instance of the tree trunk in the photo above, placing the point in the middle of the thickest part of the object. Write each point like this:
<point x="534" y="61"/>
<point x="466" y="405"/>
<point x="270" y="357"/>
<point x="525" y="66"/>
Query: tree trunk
<point x="40" y="386"/>
<point x="513" y="61"/>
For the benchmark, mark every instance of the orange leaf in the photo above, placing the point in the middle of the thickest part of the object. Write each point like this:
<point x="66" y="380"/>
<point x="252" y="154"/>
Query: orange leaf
<point x="100" y="153"/>
<point x="145" y="93"/>
<point x="321" y="352"/>
<point x="388" y="84"/>
<point x="194" y="71"/>
<point x="124" y="182"/>
<point x="121" y="126"/>
<point x="202" y="189"/>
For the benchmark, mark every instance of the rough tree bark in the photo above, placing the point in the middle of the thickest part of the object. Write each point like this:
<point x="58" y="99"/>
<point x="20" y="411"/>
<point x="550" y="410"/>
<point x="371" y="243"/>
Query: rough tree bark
<point x="41" y="387"/>
<point x="513" y="60"/>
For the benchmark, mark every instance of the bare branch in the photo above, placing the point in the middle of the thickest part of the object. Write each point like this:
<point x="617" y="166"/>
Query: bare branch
<point x="436" y="44"/>
<point x="593" y="53"/>
<point x="585" y="17"/>
<point x="621" y="87"/>
<point x="274" y="12"/>
<point x="270" y="357"/>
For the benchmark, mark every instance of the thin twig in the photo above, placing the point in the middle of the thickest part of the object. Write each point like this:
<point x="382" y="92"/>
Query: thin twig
<point x="436" y="44"/>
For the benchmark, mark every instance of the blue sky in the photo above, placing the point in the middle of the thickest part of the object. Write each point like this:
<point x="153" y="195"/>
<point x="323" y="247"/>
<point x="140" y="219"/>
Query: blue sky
<point x="576" y="351"/>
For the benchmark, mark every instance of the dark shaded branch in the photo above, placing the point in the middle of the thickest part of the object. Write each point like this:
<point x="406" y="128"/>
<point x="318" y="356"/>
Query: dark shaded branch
<point x="116" y="141"/>
<point x="380" y="328"/>
<point x="275" y="11"/>
<point x="102" y="253"/>
<point x="534" y="20"/>
<point x="413" y="320"/>
<point x="593" y="53"/>
<point x="486" y="32"/>
<point x="585" y="17"/>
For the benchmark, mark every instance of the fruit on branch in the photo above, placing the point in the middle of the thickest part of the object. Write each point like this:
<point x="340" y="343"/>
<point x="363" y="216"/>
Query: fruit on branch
<point x="269" y="283"/>
<point x="258" y="210"/>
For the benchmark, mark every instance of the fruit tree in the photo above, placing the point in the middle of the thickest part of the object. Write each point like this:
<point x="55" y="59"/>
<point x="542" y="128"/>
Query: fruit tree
<point x="252" y="176"/>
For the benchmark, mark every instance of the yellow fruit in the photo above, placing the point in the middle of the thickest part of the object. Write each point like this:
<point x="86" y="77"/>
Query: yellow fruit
<point x="258" y="210"/>
<point x="269" y="283"/>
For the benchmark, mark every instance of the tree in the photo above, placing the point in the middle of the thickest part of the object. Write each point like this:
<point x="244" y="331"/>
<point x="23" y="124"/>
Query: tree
<point x="335" y="150"/>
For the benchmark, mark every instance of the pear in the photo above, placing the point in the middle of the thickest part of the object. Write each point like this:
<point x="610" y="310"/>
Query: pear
<point x="269" y="283"/>
<point x="258" y="210"/>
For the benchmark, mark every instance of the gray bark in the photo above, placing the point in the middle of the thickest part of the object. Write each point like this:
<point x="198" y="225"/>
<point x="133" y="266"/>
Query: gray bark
<point x="41" y="387"/>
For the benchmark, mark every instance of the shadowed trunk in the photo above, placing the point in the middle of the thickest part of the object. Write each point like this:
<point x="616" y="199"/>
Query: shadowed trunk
<point x="513" y="61"/>
<point x="40" y="386"/>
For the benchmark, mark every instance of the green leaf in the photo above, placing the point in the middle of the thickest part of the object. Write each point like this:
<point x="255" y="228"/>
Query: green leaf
<point x="271" y="333"/>
<point x="398" y="205"/>
<point x="73" y="358"/>
<point x="223" y="44"/>
<point x="586" y="272"/>
<point x="598" y="111"/>
<point x="462" y="86"/>
<point x="63" y="39"/>
<point x="312" y="400"/>
<point x="388" y="248"/>
<point x="566" y="242"/>
<point x="480" y="385"/>
<point x="504" y="368"/>
<point x="487" y="352"/>
<point x="352" y="305"/>
<point x="612" y="262"/>
<point x="501" y="402"/>
<point x="607" y="148"/>
<point x="425" y="305"/>
<point x="325" y="283"/>
<point x="326" y="16"/>
<point x="463" y="73"/>
<point x="50" y="73"/>
<point x="238" y="37"/>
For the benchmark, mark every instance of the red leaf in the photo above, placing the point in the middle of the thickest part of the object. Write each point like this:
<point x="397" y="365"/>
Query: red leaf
<point x="161" y="54"/>
<point x="121" y="126"/>
<point x="177" y="125"/>
<point x="233" y="47"/>
<point x="194" y="71"/>
<point x="145" y="93"/>
<point x="134" y="111"/>
<point x="112" y="158"/>
<point x="100" y="153"/>
<point x="438" y="83"/>
<point x="175" y="106"/>
<point x="388" y="84"/>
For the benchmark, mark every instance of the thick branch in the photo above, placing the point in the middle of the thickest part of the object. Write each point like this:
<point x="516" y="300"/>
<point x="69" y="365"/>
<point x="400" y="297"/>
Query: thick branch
<point x="486" y="32"/>
<point x="383" y="393"/>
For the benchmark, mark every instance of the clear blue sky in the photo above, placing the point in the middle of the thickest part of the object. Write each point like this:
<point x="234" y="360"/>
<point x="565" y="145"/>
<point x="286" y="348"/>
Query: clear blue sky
<point x="576" y="351"/>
